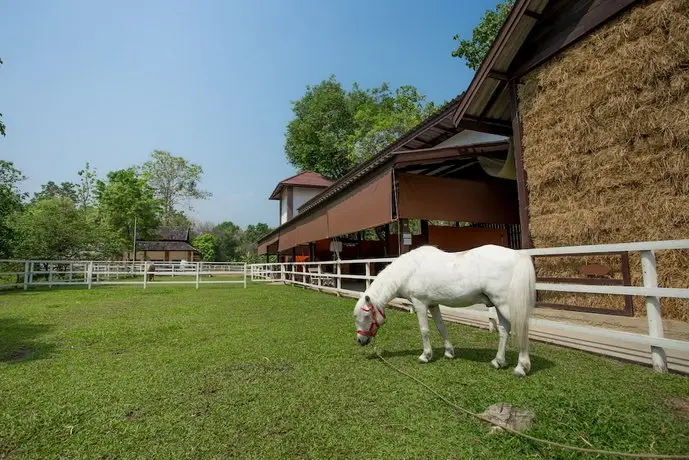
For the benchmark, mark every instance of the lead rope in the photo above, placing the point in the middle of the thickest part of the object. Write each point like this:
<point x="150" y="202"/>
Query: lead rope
<point x="517" y="433"/>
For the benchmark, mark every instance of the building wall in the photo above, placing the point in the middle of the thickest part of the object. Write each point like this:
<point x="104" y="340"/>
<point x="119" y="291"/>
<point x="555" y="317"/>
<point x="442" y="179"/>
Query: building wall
<point x="302" y="195"/>
<point x="605" y="136"/>
<point x="283" y="206"/>
<point x="161" y="256"/>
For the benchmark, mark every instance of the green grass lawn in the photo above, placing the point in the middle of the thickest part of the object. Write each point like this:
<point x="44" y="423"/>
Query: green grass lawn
<point x="274" y="372"/>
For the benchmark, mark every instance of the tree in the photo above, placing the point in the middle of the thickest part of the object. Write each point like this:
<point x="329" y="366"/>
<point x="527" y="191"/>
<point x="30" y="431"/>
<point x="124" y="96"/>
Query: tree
<point x="51" y="190"/>
<point x="11" y="202"/>
<point x="84" y="188"/>
<point x="206" y="245"/>
<point x="2" y="125"/>
<point x="228" y="241"/>
<point x="333" y="129"/>
<point x="474" y="51"/>
<point x="123" y="197"/>
<point x="54" y="229"/>
<point x="175" y="181"/>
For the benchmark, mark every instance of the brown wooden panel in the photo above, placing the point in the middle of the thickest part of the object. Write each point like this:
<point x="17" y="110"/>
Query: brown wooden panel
<point x="314" y="229"/>
<point x="463" y="238"/>
<point x="366" y="207"/>
<point x="493" y="201"/>
<point x="288" y="239"/>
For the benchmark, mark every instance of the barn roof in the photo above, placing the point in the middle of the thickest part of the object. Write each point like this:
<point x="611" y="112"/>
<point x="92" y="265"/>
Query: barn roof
<point x="534" y="32"/>
<point x="308" y="179"/>
<point x="164" y="246"/>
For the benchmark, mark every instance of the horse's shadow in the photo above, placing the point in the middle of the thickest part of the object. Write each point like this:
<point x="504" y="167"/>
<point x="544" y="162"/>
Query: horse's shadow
<point x="478" y="355"/>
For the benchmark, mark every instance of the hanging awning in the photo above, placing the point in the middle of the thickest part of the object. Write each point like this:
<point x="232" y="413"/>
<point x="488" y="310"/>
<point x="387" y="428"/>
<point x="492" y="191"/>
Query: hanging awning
<point x="435" y="198"/>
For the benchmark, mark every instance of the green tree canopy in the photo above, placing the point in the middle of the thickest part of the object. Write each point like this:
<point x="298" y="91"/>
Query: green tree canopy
<point x="51" y="190"/>
<point x="474" y="51"/>
<point x="124" y="196"/>
<point x="228" y="241"/>
<point x="54" y="228"/>
<point x="175" y="181"/>
<point x="11" y="202"/>
<point x="206" y="244"/>
<point x="333" y="129"/>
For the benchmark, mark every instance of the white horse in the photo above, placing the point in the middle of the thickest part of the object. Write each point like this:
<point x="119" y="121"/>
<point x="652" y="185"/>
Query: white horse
<point x="427" y="276"/>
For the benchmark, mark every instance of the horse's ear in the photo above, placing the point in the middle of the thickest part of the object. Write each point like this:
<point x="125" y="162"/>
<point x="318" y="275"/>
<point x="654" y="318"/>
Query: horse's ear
<point x="367" y="299"/>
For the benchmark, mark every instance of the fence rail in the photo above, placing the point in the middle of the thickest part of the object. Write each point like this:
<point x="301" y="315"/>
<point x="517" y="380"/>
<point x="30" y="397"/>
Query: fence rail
<point x="28" y="273"/>
<point x="328" y="276"/>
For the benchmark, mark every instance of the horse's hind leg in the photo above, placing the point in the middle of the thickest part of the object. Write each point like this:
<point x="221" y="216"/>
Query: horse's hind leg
<point x="437" y="317"/>
<point x="504" y="331"/>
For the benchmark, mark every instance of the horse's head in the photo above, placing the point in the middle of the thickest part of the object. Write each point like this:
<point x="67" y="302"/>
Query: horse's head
<point x="368" y="318"/>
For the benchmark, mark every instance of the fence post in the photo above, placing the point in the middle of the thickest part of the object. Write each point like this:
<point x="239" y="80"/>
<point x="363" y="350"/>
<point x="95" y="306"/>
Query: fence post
<point x="244" y="276"/>
<point x="198" y="265"/>
<point x="50" y="275"/>
<point x="89" y="274"/>
<point x="339" y="277"/>
<point x="320" y="276"/>
<point x="145" y="275"/>
<point x="282" y="273"/>
<point x="655" y="320"/>
<point x="368" y="273"/>
<point x="26" y="275"/>
<point x="71" y="270"/>
<point x="32" y="268"/>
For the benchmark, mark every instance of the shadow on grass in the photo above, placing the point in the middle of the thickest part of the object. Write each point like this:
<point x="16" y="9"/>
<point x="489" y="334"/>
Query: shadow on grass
<point x="479" y="355"/>
<point x="20" y="341"/>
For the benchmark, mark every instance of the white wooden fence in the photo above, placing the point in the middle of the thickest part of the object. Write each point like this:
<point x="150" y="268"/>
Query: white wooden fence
<point x="652" y="348"/>
<point x="28" y="273"/>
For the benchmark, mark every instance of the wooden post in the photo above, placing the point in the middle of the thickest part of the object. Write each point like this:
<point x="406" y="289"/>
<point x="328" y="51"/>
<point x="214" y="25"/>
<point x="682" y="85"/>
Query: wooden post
<point x="320" y="276"/>
<point x="26" y="275"/>
<point x="244" y="276"/>
<point x="339" y="277"/>
<point x="198" y="273"/>
<point x="424" y="231"/>
<point x="89" y="274"/>
<point x="655" y="320"/>
<point x="71" y="269"/>
<point x="522" y="195"/>
<point x="283" y="275"/>
<point x="404" y="236"/>
<point x="145" y="275"/>
<point x="368" y="273"/>
<point x="50" y="275"/>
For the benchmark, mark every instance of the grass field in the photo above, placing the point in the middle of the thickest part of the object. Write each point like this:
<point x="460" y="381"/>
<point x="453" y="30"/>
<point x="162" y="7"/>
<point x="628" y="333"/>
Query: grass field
<point x="274" y="372"/>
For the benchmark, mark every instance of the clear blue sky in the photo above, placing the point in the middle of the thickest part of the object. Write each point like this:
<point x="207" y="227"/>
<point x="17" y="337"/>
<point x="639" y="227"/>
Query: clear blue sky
<point x="211" y="80"/>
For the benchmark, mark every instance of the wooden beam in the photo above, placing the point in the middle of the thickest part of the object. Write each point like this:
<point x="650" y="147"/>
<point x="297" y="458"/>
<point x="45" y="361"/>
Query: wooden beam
<point x="583" y="21"/>
<point x="498" y="75"/>
<point x="519" y="166"/>
<point x="532" y="14"/>
<point x="484" y="125"/>
<point x="494" y="97"/>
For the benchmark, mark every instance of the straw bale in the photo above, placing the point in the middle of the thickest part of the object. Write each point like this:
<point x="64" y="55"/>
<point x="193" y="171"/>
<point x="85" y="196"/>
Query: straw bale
<point x="606" y="146"/>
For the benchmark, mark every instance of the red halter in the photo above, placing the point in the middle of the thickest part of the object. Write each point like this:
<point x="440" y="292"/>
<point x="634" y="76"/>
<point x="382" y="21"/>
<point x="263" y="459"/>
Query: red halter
<point x="373" y="328"/>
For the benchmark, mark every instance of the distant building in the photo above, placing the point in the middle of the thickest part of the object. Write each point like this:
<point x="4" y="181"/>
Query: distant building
<point x="167" y="244"/>
<point x="293" y="192"/>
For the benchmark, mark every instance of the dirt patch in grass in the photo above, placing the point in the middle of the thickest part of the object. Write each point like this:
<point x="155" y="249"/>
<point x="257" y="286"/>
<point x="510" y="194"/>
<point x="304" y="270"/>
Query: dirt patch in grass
<point x="18" y="355"/>
<point x="679" y="406"/>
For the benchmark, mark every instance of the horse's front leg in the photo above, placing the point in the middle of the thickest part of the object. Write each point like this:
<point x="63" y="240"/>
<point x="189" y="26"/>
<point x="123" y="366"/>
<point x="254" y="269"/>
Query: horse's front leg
<point x="438" y="318"/>
<point x="422" y="314"/>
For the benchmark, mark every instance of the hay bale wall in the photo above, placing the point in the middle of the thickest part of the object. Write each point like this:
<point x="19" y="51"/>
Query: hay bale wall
<point x="606" y="145"/>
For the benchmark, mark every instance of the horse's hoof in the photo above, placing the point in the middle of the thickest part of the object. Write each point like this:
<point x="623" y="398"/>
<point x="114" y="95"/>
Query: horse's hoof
<point x="423" y="359"/>
<point x="519" y="372"/>
<point x="496" y="364"/>
<point x="449" y="354"/>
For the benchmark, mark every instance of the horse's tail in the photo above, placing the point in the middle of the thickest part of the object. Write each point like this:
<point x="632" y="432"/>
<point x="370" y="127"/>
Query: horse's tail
<point x="522" y="297"/>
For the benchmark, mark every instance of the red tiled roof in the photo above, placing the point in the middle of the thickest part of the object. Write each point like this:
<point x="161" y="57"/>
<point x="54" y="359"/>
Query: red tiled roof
<point x="303" y="179"/>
